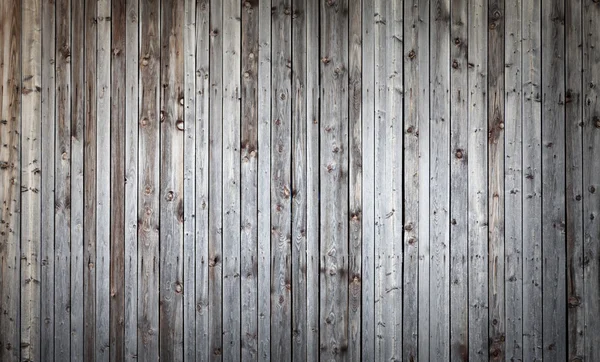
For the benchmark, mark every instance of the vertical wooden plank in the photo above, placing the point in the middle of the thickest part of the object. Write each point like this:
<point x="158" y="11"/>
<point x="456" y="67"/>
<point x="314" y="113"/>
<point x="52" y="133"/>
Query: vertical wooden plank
<point x="368" y="214"/>
<point x="440" y="182"/>
<point x="298" y="94"/>
<point x="77" y="179"/>
<point x="202" y="91"/>
<point x="231" y="179"/>
<point x="31" y="138"/>
<point x="215" y="196"/>
<point x="513" y="276"/>
<point x="591" y="179"/>
<point x="495" y="172"/>
<point x="62" y="184"/>
<point x="48" y="80"/>
<point x="355" y="178"/>
<point x="103" y="167"/>
<point x="312" y="179"/>
<point x="281" y="298"/>
<point x="149" y="171"/>
<point x="459" y="218"/>
<point x="477" y="178"/>
<point x="131" y="178"/>
<point x="334" y="181"/>
<point x="532" y="182"/>
<point x="553" y="181"/>
<point x="89" y="183"/>
<point x="189" y="181"/>
<point x="10" y="169"/>
<point x="249" y="181"/>
<point x="171" y="181"/>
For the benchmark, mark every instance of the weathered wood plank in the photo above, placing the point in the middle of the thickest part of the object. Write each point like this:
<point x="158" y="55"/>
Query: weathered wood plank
<point x="281" y="188"/>
<point x="354" y="178"/>
<point x="459" y="218"/>
<point x="10" y="171"/>
<point x="591" y="179"/>
<point x="553" y="182"/>
<point x="477" y="167"/>
<point x="131" y="179"/>
<point x="202" y="91"/>
<point x="76" y="303"/>
<point x="495" y="93"/>
<point x="171" y="181"/>
<point x="118" y="92"/>
<point x="513" y="274"/>
<point x="189" y="181"/>
<point x="231" y="179"/>
<point x="148" y="181"/>
<point x="333" y="169"/>
<point x="440" y="181"/>
<point x="48" y="79"/>
<point x="249" y="181"/>
<point x="298" y="238"/>
<point x="62" y="183"/>
<point x="215" y="195"/>
<point x="312" y="179"/>
<point x="31" y="138"/>
<point x="368" y="155"/>
<point x="532" y="183"/>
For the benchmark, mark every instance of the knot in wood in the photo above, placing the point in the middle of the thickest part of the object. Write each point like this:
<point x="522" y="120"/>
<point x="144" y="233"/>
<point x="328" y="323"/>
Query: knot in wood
<point x="574" y="301"/>
<point x="412" y="55"/>
<point x="459" y="154"/>
<point x="457" y="41"/>
<point x="412" y="241"/>
<point x="325" y="60"/>
<point x="170" y="195"/>
<point x="454" y="64"/>
<point x="180" y="125"/>
<point x="409" y="129"/>
<point x="592" y="189"/>
<point x="596" y="122"/>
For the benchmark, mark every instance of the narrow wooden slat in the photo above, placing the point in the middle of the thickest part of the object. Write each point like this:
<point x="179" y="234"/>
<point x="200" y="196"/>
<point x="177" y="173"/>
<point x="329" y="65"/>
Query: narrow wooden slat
<point x="131" y="178"/>
<point x="249" y="181"/>
<point x="440" y="182"/>
<point x="148" y="181"/>
<point x="202" y="91"/>
<point x="215" y="196"/>
<point x="172" y="128"/>
<point x="495" y="173"/>
<point x="76" y="303"/>
<point x="312" y="179"/>
<point x="62" y="183"/>
<point x="554" y="296"/>
<point x="477" y="179"/>
<point x="189" y="181"/>
<point x="591" y="179"/>
<point x="355" y="178"/>
<point x="532" y="182"/>
<point x="10" y="171"/>
<point x="513" y="276"/>
<point x="231" y="179"/>
<point x="281" y="93"/>
<point x="459" y="218"/>
<point x="368" y="155"/>
<point x="48" y="79"/>
<point x="333" y="170"/>
<point x="31" y="138"/>
<point x="298" y="238"/>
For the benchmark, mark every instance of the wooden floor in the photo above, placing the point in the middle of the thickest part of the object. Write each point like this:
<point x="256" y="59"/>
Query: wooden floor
<point x="300" y="180"/>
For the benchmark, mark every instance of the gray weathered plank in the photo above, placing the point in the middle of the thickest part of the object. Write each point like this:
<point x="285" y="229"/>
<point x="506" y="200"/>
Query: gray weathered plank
<point x="439" y="147"/>
<point x="513" y="273"/>
<point x="10" y="171"/>
<point x="172" y="128"/>
<point x="532" y="182"/>
<point x="591" y="179"/>
<point x="31" y="138"/>
<point x="459" y="218"/>
<point x="148" y="181"/>
<point x="333" y="308"/>
<point x="554" y="298"/>
<point x="495" y="93"/>
<point x="202" y="91"/>
<point x="477" y="179"/>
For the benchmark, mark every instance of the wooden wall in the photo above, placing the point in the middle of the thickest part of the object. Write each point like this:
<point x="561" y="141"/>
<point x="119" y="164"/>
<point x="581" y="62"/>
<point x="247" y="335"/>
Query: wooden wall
<point x="295" y="180"/>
